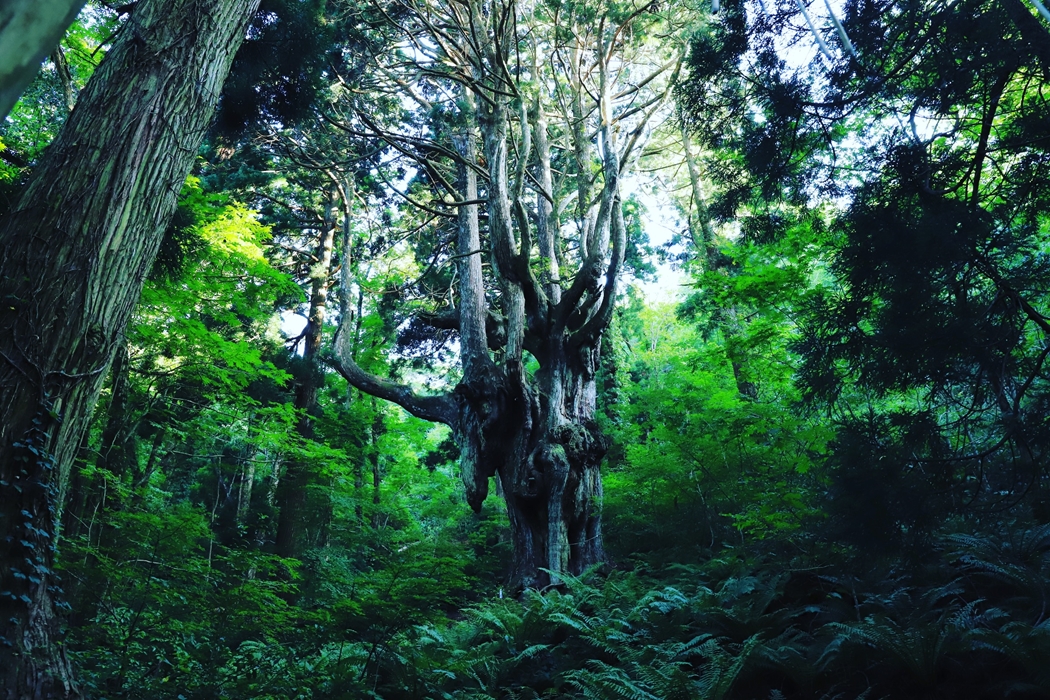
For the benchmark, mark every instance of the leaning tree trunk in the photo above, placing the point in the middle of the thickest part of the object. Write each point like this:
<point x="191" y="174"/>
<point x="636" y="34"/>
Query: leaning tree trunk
<point x="74" y="254"/>
<point x="29" y="31"/>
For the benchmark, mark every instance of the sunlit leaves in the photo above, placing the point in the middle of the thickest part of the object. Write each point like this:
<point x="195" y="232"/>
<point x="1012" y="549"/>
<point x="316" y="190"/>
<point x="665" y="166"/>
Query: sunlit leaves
<point x="693" y="444"/>
<point x="224" y="295"/>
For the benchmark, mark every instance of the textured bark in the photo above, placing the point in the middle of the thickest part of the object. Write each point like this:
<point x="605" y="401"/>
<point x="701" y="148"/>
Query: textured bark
<point x="544" y="447"/>
<point x="546" y="219"/>
<point x="29" y="31"/>
<point x="473" y="308"/>
<point x="74" y="253"/>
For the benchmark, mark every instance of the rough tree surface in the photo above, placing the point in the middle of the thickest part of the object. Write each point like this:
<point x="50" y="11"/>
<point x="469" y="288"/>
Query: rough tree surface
<point x="74" y="254"/>
<point x="29" y="31"/>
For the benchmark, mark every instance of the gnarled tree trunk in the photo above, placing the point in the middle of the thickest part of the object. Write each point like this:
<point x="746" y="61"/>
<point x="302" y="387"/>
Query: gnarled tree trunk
<point x="543" y="446"/>
<point x="534" y="433"/>
<point x="74" y="254"/>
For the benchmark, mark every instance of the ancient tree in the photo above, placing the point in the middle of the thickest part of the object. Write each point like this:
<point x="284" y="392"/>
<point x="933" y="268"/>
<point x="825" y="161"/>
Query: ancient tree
<point x="526" y="121"/>
<point x="74" y="254"/>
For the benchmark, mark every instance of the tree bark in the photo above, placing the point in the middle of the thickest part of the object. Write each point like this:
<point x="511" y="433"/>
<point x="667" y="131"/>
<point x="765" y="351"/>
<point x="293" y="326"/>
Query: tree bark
<point x="29" y="31"/>
<point x="245" y="482"/>
<point x="74" y="254"/>
<point x="544" y="447"/>
<point x="65" y="78"/>
<point x="702" y="234"/>
<point x="118" y="453"/>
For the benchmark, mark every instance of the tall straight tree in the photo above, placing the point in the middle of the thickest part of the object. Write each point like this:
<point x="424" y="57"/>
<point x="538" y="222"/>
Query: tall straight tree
<point x="74" y="254"/>
<point x="292" y="489"/>
<point x="531" y="118"/>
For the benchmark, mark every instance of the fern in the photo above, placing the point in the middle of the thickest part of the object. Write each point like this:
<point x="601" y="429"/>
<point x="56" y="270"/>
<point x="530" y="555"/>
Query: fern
<point x="1020" y="562"/>
<point x="920" y="649"/>
<point x="602" y="681"/>
<point x="723" y="668"/>
<point x="1025" y="645"/>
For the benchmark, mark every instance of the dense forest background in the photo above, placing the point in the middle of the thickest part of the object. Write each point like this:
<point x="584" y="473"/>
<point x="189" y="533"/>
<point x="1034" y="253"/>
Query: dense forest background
<point x="823" y="457"/>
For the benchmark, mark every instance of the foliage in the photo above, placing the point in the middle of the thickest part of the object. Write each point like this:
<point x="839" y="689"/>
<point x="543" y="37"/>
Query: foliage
<point x="752" y="634"/>
<point x="826" y="472"/>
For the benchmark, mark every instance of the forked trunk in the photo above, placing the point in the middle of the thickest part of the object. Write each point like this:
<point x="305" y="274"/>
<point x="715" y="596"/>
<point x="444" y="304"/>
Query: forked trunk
<point x="531" y="282"/>
<point x="544" y="448"/>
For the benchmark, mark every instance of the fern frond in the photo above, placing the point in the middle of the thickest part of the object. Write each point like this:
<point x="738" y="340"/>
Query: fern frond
<point x="600" y="680"/>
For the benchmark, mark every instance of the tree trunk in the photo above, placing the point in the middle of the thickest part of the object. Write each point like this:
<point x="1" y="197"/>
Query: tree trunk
<point x="292" y="490"/>
<point x="536" y="435"/>
<point x="540" y="442"/>
<point x="359" y="487"/>
<point x="702" y="234"/>
<point x="65" y="78"/>
<point x="29" y="31"/>
<point x="245" y="481"/>
<point x="376" y="432"/>
<point x="545" y="449"/>
<point x="74" y="254"/>
<point x="118" y="453"/>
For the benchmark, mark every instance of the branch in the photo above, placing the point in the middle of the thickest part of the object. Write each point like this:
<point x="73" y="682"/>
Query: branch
<point x="623" y="25"/>
<point x="843" y="37"/>
<point x="395" y="141"/>
<point x="440" y="408"/>
<point x="1029" y="311"/>
<point x="587" y="276"/>
<point x="593" y="328"/>
<point x="986" y="130"/>
<point x="657" y="104"/>
<point x="813" y="30"/>
<point x="13" y="158"/>
<point x="645" y="81"/>
<point x="600" y="320"/>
